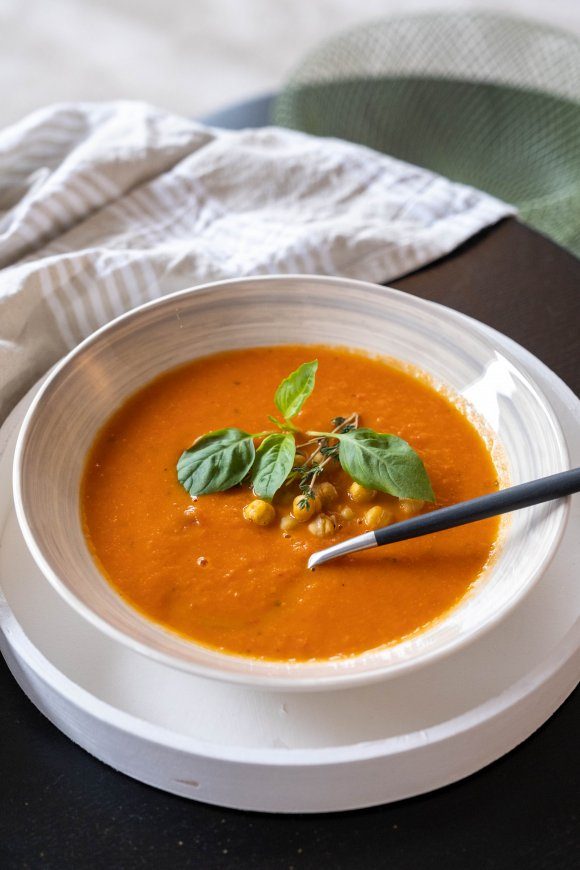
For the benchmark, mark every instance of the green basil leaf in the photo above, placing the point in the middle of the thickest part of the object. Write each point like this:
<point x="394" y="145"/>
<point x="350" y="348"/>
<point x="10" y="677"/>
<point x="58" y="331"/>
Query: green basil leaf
<point x="273" y="464"/>
<point x="295" y="389"/>
<point x="384" y="462"/>
<point x="217" y="461"/>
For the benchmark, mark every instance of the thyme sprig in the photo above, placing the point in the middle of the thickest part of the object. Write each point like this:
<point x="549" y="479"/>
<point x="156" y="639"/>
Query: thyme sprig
<point x="311" y="469"/>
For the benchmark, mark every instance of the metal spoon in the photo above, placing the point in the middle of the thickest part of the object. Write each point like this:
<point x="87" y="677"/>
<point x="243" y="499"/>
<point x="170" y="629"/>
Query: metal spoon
<point x="511" y="499"/>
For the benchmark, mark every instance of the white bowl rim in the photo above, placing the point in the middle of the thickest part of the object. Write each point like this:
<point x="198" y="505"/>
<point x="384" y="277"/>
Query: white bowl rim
<point x="337" y="680"/>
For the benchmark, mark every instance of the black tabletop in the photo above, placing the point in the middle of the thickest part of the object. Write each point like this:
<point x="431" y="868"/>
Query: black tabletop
<point x="60" y="808"/>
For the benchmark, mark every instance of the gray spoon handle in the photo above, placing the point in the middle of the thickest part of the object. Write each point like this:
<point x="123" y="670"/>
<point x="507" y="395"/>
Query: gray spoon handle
<point x="511" y="499"/>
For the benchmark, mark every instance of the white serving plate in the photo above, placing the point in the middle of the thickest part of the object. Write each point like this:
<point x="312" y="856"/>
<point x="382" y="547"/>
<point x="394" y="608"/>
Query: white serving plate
<point x="297" y="752"/>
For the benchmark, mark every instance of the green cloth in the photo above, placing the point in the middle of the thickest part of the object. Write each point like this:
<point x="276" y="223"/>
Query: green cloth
<point x="518" y="143"/>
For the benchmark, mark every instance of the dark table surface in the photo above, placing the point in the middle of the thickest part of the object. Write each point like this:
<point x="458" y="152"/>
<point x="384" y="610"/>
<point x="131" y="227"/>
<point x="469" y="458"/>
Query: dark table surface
<point x="60" y="808"/>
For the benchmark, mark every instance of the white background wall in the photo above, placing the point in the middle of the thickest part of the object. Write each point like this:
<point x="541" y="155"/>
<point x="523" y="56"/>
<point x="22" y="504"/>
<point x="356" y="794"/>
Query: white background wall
<point x="191" y="56"/>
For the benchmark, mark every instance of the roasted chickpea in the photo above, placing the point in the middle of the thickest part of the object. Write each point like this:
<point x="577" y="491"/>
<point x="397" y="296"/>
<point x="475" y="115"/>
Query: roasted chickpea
<point x="299" y="459"/>
<point x="360" y="494"/>
<point x="347" y="513"/>
<point x="322" y="525"/>
<point x="304" y="509"/>
<point x="288" y="523"/>
<point x="378" y="516"/>
<point x="410" y="506"/>
<point x="327" y="493"/>
<point x="260" y="512"/>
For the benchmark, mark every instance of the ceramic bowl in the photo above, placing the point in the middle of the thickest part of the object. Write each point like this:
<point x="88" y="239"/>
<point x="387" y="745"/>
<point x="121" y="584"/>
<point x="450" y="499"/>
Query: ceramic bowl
<point x="89" y="384"/>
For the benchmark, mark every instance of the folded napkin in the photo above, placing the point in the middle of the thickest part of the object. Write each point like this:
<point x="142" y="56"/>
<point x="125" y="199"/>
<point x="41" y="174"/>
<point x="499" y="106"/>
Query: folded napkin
<point x="106" y="206"/>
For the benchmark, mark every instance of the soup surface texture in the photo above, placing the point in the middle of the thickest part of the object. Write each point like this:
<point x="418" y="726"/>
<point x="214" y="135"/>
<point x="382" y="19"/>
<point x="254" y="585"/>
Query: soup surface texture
<point x="199" y="568"/>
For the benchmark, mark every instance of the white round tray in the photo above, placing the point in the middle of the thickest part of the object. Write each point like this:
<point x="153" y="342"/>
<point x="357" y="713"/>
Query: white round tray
<point x="279" y="752"/>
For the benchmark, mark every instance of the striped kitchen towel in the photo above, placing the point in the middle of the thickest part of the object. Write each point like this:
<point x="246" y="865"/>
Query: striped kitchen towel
<point x="105" y="206"/>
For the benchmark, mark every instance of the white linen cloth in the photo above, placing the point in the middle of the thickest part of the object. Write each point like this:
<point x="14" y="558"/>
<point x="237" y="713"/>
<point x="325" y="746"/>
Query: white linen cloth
<point x="104" y="206"/>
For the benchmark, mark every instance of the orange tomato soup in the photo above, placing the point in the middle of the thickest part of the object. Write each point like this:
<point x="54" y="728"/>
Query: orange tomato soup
<point x="199" y="568"/>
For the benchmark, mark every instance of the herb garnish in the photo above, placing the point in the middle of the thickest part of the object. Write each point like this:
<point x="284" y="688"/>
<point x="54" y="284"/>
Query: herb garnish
<point x="224" y="458"/>
<point x="273" y="463"/>
<point x="295" y="389"/>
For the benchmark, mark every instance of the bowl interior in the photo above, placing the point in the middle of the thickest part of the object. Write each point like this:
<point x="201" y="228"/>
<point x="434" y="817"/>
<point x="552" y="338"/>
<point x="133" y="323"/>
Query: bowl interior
<point x="112" y="364"/>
